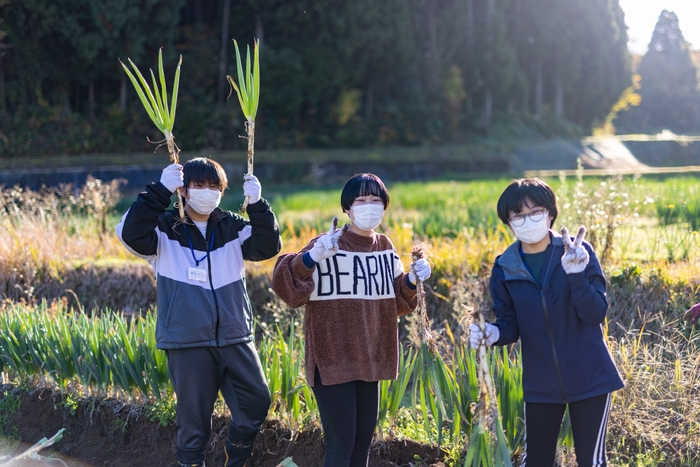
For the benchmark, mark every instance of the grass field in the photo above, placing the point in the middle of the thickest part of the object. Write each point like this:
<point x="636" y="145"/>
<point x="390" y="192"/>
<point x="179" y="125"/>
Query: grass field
<point x="644" y="229"/>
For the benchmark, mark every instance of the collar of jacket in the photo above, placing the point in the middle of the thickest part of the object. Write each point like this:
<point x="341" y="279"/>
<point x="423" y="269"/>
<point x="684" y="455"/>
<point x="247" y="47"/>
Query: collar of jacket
<point x="512" y="263"/>
<point x="215" y="216"/>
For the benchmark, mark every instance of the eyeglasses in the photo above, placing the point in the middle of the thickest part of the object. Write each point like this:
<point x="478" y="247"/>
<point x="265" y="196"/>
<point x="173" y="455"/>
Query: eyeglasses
<point x="535" y="216"/>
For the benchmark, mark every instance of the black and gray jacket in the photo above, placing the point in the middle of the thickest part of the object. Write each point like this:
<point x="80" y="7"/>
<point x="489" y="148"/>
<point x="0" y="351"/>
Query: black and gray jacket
<point x="565" y="358"/>
<point x="196" y="313"/>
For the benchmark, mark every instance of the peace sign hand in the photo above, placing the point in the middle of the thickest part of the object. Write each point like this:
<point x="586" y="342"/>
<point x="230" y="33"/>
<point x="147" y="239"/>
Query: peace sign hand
<point x="575" y="257"/>
<point x="327" y="244"/>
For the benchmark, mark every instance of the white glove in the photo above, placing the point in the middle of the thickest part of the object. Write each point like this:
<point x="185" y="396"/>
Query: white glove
<point x="476" y="337"/>
<point x="252" y="188"/>
<point x="422" y="268"/>
<point x="323" y="248"/>
<point x="575" y="257"/>
<point x="327" y="244"/>
<point x="172" y="177"/>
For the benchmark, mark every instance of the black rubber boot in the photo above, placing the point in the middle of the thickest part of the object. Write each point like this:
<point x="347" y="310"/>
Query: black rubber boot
<point x="238" y="451"/>
<point x="237" y="454"/>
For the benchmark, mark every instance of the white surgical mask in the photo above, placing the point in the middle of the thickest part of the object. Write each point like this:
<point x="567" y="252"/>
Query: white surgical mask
<point x="204" y="200"/>
<point x="367" y="216"/>
<point x="532" y="232"/>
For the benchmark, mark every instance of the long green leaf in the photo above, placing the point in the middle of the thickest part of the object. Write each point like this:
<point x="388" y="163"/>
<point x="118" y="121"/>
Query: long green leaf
<point x="241" y="80"/>
<point x="256" y="77"/>
<point x="147" y="90"/>
<point x="159" y="103"/>
<point x="249" y="84"/>
<point x="142" y="96"/>
<point x="176" y="87"/>
<point x="238" y="93"/>
<point x="164" y="100"/>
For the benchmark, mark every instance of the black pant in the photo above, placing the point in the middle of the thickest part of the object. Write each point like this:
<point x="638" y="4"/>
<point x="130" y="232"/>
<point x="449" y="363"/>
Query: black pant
<point x="589" y="419"/>
<point x="349" y="413"/>
<point x="198" y="374"/>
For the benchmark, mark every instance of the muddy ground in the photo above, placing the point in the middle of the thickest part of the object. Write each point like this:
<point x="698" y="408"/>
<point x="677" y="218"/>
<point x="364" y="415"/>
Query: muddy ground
<point x="113" y="434"/>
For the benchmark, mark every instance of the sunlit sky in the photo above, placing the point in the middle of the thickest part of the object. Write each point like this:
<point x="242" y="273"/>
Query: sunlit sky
<point x="641" y="16"/>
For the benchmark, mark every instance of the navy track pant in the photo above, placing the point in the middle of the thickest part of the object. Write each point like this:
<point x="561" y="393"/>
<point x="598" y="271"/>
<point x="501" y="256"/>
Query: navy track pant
<point x="198" y="374"/>
<point x="589" y="419"/>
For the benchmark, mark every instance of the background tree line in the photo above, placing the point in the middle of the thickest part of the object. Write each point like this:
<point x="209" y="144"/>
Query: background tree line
<point x="334" y="73"/>
<point x="665" y="92"/>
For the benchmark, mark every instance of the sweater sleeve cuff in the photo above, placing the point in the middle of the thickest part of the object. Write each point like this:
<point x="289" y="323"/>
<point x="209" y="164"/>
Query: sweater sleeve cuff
<point x="410" y="284"/>
<point x="308" y="262"/>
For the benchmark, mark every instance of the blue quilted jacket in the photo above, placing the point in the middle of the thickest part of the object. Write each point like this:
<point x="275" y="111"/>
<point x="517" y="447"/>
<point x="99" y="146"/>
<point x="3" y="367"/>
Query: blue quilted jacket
<point x="565" y="358"/>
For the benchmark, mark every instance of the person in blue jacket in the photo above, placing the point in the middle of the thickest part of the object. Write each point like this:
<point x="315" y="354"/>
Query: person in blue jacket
<point x="549" y="291"/>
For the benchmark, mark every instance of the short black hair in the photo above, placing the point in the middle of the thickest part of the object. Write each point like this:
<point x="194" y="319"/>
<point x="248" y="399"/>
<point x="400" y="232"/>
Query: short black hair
<point x="201" y="170"/>
<point x="365" y="184"/>
<point x="533" y="189"/>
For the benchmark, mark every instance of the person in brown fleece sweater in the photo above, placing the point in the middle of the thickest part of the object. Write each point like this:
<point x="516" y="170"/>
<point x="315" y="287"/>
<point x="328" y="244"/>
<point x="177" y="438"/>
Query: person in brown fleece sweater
<point x="354" y="287"/>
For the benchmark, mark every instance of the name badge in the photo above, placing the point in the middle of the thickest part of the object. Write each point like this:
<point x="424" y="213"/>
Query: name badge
<point x="197" y="274"/>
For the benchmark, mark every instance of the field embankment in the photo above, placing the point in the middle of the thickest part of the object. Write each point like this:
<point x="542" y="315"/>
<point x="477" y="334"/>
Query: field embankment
<point x="319" y="167"/>
<point x="114" y="434"/>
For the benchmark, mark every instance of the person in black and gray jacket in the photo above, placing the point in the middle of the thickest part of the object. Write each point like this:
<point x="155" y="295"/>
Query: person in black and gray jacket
<point x="549" y="291"/>
<point x="204" y="315"/>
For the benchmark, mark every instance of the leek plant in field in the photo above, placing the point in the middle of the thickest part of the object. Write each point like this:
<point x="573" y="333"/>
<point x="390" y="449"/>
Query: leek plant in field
<point x="101" y="353"/>
<point x="156" y="105"/>
<point x="248" y="92"/>
<point x="391" y="392"/>
<point x="282" y="363"/>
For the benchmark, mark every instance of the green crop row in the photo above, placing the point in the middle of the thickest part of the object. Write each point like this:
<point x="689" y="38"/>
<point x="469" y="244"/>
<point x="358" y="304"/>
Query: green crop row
<point x="107" y="355"/>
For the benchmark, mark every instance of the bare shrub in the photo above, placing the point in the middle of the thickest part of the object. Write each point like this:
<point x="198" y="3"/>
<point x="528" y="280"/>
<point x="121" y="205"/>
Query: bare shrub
<point x="50" y="233"/>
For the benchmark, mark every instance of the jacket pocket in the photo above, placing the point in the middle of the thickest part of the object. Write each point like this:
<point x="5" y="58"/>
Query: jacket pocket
<point x="190" y="317"/>
<point x="170" y="309"/>
<point x="580" y="366"/>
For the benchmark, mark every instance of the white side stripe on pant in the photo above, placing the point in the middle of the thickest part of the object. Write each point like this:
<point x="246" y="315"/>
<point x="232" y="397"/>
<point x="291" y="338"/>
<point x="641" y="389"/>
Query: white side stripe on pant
<point x="599" y="457"/>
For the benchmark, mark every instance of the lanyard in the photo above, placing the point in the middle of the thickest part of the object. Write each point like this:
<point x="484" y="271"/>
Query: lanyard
<point x="211" y="245"/>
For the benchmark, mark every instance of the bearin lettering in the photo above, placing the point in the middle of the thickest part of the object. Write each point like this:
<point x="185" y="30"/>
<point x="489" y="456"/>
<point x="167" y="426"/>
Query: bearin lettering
<point x="353" y="275"/>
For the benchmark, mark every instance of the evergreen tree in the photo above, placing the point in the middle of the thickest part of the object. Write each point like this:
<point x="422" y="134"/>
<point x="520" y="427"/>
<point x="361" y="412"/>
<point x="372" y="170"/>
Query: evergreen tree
<point x="669" y="84"/>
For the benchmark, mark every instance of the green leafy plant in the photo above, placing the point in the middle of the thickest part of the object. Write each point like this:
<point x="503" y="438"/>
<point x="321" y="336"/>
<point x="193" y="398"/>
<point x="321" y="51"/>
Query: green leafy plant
<point x="248" y="92"/>
<point x="156" y="104"/>
<point x="9" y="406"/>
<point x="161" y="412"/>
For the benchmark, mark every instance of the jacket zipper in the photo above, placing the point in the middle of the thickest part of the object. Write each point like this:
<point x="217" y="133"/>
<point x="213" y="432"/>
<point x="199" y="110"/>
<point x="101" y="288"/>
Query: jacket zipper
<point x="548" y="323"/>
<point x="216" y="302"/>
<point x="211" y="286"/>
<point x="554" y="349"/>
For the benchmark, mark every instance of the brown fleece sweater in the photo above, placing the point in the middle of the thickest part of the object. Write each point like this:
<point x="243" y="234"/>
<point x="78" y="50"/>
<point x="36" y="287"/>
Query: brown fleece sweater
<point x="353" y="301"/>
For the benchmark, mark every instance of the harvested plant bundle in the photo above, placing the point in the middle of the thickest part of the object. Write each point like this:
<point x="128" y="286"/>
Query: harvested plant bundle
<point x="248" y="92"/>
<point x="156" y="105"/>
<point x="434" y="383"/>
<point x="419" y="252"/>
<point x="488" y="446"/>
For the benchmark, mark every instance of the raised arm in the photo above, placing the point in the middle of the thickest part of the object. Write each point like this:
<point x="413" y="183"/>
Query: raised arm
<point x="137" y="229"/>
<point x="263" y="241"/>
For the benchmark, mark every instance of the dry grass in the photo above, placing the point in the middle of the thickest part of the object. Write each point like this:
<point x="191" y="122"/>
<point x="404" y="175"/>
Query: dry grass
<point x="52" y="237"/>
<point x="657" y="411"/>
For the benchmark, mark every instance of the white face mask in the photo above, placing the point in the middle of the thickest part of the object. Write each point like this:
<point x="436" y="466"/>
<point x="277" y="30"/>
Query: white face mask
<point x="532" y="232"/>
<point x="367" y="216"/>
<point x="204" y="200"/>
